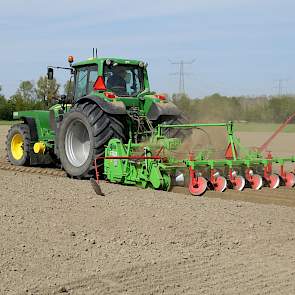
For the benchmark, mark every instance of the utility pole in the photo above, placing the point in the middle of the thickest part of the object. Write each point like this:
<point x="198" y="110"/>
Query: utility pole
<point x="181" y="73"/>
<point x="280" y="86"/>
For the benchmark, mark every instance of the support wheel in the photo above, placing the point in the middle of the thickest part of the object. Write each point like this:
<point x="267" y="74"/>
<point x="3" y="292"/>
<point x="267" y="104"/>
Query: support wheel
<point x="274" y="181"/>
<point x="198" y="186"/>
<point x="220" y="184"/>
<point x="289" y="180"/>
<point x="239" y="183"/>
<point x="256" y="182"/>
<point x="18" y="145"/>
<point x="83" y="134"/>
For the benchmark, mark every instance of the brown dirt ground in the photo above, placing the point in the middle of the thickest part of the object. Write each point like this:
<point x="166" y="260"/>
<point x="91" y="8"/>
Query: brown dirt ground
<point x="57" y="236"/>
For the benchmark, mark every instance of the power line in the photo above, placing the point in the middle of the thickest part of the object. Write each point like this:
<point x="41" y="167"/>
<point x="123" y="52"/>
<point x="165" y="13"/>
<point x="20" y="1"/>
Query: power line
<point x="280" y="86"/>
<point x="181" y="73"/>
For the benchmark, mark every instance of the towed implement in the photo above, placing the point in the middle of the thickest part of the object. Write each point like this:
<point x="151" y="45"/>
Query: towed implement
<point x="154" y="164"/>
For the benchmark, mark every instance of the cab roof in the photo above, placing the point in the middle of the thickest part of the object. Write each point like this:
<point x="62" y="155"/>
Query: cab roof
<point x="100" y="60"/>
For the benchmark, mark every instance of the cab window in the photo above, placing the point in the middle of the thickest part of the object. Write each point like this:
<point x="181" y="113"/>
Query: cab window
<point x="124" y="80"/>
<point x="92" y="77"/>
<point x="85" y="79"/>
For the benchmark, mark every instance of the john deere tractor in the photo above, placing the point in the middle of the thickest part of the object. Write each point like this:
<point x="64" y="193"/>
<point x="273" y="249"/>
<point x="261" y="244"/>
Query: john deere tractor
<point x="112" y="99"/>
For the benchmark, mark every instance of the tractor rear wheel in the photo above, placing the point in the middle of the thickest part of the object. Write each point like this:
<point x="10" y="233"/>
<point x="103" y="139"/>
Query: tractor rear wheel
<point x="83" y="134"/>
<point x="175" y="132"/>
<point x="18" y="142"/>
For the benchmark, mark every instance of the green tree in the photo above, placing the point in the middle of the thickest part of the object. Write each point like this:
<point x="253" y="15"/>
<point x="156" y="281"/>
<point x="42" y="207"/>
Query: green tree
<point x="26" y="91"/>
<point x="281" y="107"/>
<point x="2" y="105"/>
<point x="24" y="98"/>
<point x="47" y="90"/>
<point x="5" y="108"/>
<point x="69" y="89"/>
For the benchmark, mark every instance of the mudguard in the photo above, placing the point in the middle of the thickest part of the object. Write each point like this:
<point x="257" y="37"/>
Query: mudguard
<point x="162" y="109"/>
<point x="115" y="108"/>
<point x="32" y="126"/>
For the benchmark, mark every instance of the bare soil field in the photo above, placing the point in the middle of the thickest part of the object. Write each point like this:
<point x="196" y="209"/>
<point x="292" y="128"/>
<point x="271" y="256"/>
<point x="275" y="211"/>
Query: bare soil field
<point x="57" y="236"/>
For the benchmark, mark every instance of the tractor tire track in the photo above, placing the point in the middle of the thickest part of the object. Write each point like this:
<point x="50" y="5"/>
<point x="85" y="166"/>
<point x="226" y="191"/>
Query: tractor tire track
<point x="185" y="277"/>
<point x="5" y="165"/>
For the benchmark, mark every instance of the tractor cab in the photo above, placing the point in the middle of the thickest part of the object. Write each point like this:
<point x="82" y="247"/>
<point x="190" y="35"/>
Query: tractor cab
<point x="113" y="78"/>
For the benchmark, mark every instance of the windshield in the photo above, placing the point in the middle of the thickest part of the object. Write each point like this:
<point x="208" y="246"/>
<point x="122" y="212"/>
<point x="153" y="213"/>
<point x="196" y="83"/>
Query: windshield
<point x="124" y="80"/>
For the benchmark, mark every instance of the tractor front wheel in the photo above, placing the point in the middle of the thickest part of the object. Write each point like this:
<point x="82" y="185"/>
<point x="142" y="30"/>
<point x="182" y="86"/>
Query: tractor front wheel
<point x="18" y="142"/>
<point x="83" y="134"/>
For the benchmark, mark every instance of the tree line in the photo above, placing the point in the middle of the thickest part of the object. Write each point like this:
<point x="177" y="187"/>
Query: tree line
<point x="32" y="96"/>
<point x="216" y="107"/>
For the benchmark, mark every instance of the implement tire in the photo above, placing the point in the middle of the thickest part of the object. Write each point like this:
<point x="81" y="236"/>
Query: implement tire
<point x="18" y="142"/>
<point x="82" y="136"/>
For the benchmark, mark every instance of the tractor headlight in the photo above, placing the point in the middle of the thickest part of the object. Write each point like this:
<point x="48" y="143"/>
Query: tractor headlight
<point x="108" y="62"/>
<point x="141" y="64"/>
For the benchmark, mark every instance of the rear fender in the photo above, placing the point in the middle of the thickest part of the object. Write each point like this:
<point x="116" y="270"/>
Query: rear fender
<point x="39" y="123"/>
<point x="162" y="109"/>
<point x="115" y="108"/>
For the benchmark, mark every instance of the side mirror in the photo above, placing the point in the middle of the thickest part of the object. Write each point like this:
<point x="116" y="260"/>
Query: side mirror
<point x="50" y="73"/>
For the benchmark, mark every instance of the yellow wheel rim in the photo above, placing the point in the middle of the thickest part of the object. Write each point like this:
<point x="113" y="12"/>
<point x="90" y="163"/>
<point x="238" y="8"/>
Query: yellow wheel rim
<point x="17" y="146"/>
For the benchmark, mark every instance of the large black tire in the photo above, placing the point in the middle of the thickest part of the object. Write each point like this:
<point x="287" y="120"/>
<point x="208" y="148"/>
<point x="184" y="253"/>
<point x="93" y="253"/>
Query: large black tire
<point x="174" y="132"/>
<point x="18" y="143"/>
<point x="82" y="136"/>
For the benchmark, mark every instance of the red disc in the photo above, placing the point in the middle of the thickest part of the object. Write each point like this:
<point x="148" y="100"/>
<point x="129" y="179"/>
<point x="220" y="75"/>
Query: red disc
<point x="256" y="182"/>
<point x="220" y="184"/>
<point x="239" y="183"/>
<point x="289" y="179"/>
<point x="200" y="186"/>
<point x="274" y="181"/>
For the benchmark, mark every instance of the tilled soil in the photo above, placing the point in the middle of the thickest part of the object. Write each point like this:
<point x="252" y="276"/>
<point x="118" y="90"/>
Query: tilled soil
<point x="57" y="236"/>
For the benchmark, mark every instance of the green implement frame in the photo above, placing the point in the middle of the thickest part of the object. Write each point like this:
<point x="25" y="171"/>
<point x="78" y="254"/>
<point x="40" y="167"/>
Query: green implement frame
<point x="147" y="165"/>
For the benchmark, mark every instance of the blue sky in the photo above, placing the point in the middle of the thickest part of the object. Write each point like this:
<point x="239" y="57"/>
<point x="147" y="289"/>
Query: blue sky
<point x="241" y="47"/>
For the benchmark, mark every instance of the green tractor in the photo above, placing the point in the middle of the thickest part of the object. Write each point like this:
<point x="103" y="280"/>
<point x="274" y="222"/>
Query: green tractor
<point x="112" y="99"/>
<point x="115" y="122"/>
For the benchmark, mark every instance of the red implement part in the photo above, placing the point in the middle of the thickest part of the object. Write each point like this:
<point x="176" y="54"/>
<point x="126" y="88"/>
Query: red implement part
<point x="255" y="180"/>
<point x="229" y="153"/>
<point x="289" y="180"/>
<point x="95" y="182"/>
<point x="219" y="183"/>
<point x="264" y="146"/>
<point x="197" y="184"/>
<point x="274" y="181"/>
<point x="238" y="182"/>
<point x="288" y="177"/>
